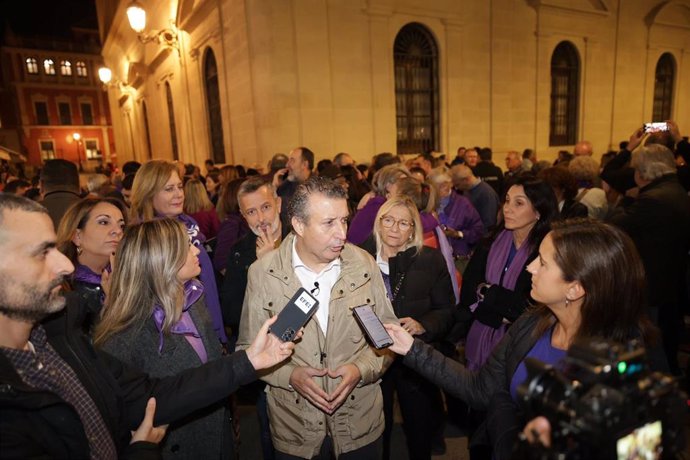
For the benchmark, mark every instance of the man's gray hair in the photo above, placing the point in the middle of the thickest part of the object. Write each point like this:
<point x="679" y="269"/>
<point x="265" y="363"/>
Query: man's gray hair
<point x="253" y="184"/>
<point x="653" y="161"/>
<point x="299" y="203"/>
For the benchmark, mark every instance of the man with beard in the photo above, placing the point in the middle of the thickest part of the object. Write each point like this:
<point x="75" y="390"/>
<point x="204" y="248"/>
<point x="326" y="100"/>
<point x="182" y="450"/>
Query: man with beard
<point x="60" y="398"/>
<point x="260" y="206"/>
<point x="299" y="168"/>
<point x="326" y="401"/>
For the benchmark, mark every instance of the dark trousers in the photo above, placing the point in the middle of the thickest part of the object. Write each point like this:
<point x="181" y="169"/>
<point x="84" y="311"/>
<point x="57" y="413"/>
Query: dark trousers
<point x="421" y="407"/>
<point x="371" y="451"/>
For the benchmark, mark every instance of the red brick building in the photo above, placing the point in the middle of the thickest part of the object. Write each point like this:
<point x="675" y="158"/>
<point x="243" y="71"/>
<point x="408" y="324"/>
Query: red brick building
<point x="54" y="101"/>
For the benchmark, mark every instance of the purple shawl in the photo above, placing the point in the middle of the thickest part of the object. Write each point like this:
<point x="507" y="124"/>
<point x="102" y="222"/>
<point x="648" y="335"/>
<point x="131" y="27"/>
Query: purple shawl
<point x="207" y="276"/>
<point x="481" y="338"/>
<point x="193" y="290"/>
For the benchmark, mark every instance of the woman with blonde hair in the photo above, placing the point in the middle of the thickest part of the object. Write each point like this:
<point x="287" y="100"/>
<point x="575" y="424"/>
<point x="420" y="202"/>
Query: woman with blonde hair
<point x="420" y="290"/>
<point x="199" y="207"/>
<point x="363" y="222"/>
<point x="155" y="320"/>
<point x="158" y="192"/>
<point x="88" y="235"/>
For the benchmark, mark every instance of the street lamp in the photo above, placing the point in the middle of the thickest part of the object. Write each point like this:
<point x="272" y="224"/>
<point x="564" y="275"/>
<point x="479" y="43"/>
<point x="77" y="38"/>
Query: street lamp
<point x="136" y="15"/>
<point x="77" y="139"/>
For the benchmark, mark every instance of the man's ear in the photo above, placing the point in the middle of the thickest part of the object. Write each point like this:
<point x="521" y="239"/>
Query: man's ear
<point x="297" y="226"/>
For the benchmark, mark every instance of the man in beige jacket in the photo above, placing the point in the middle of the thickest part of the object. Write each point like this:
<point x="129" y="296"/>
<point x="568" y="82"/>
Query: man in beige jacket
<point x="326" y="398"/>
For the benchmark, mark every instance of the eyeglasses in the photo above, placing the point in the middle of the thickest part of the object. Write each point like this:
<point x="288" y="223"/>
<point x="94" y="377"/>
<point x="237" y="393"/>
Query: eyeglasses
<point x="403" y="225"/>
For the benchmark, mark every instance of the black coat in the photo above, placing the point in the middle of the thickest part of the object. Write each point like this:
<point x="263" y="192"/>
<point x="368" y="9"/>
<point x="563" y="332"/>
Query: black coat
<point x="38" y="424"/>
<point x="242" y="256"/>
<point x="425" y="293"/>
<point x="499" y="302"/>
<point x="91" y="295"/>
<point x="658" y="221"/>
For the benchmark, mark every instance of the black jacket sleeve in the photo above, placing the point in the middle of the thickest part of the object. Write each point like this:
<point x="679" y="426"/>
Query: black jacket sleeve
<point x="475" y="388"/>
<point x="181" y="394"/>
<point x="618" y="174"/>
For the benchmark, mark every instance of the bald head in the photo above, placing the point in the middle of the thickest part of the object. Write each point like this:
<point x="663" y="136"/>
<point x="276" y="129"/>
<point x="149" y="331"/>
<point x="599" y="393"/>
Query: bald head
<point x="583" y="148"/>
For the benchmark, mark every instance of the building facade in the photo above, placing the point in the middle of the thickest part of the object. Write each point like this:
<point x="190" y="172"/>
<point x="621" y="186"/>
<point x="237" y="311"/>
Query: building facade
<point x="53" y="101"/>
<point x="239" y="80"/>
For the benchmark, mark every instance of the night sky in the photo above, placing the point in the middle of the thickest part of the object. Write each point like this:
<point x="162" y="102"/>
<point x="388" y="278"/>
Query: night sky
<point x="46" y="18"/>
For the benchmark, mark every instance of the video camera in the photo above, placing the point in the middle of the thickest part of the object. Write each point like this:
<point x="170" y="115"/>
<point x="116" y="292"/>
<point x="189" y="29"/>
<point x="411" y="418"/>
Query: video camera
<point x="605" y="404"/>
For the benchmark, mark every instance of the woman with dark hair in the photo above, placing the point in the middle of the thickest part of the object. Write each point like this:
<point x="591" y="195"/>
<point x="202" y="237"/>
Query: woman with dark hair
<point x="88" y="235"/>
<point x="232" y="225"/>
<point x="587" y="281"/>
<point x="495" y="285"/>
<point x="564" y="186"/>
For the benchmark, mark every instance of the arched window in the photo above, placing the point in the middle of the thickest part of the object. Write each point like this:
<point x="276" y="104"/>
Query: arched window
<point x="81" y="69"/>
<point x="416" y="89"/>
<point x="32" y="65"/>
<point x="565" y="94"/>
<point x="49" y="67"/>
<point x="171" y="121"/>
<point x="145" y="114"/>
<point x="664" y="76"/>
<point x="213" y="103"/>
<point x="65" y="68"/>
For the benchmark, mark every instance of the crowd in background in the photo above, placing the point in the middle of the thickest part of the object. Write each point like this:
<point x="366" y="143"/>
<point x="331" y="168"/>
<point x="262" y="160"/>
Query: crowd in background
<point x="455" y="239"/>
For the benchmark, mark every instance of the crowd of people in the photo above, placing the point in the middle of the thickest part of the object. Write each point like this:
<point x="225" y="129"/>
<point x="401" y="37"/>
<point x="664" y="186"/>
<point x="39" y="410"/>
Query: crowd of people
<point x="172" y="278"/>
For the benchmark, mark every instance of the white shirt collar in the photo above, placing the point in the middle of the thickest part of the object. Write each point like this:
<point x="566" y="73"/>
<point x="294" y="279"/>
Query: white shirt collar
<point x="297" y="261"/>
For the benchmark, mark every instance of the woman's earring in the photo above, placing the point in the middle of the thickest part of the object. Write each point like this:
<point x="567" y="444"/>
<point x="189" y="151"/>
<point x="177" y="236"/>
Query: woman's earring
<point x="79" y="250"/>
<point x="567" y="302"/>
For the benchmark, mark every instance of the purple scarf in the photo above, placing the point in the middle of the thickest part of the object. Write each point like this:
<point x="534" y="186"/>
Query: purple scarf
<point x="86" y="275"/>
<point x="193" y="290"/>
<point x="193" y="230"/>
<point x="481" y="338"/>
<point x="207" y="276"/>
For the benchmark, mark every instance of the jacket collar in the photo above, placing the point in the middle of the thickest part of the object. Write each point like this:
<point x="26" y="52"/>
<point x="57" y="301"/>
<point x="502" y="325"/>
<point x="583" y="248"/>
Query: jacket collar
<point x="671" y="177"/>
<point x="352" y="275"/>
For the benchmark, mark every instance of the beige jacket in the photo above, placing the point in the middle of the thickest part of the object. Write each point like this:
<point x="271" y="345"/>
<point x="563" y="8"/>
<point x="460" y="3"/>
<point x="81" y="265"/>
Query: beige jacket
<point x="297" y="427"/>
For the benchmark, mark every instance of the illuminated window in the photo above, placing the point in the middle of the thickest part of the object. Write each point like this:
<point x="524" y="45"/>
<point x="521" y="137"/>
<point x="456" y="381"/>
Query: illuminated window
<point x="91" y="148"/>
<point x="47" y="150"/>
<point x="32" y="65"/>
<point x="65" y="68"/>
<point x="49" y="67"/>
<point x="565" y="94"/>
<point x="415" y="57"/>
<point x="81" y="69"/>
<point x="663" y="87"/>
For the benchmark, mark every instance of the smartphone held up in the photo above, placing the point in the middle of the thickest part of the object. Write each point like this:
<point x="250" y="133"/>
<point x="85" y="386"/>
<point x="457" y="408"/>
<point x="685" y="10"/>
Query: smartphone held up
<point x="655" y="127"/>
